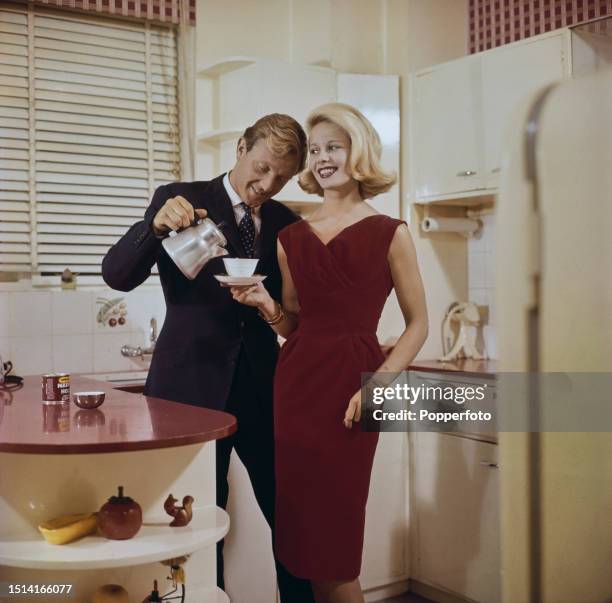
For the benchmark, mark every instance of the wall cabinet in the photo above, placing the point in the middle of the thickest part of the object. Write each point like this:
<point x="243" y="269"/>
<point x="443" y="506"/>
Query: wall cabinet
<point x="460" y="109"/>
<point x="508" y="75"/>
<point x="447" y="138"/>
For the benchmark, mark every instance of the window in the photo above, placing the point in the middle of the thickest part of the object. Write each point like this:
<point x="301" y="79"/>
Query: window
<point x="89" y="128"/>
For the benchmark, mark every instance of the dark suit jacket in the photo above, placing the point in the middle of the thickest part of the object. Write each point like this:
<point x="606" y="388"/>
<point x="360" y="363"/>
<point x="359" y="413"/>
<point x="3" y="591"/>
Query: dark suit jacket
<point x="204" y="329"/>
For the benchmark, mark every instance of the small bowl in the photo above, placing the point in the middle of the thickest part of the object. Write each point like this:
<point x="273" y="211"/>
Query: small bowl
<point x="88" y="400"/>
<point x="240" y="266"/>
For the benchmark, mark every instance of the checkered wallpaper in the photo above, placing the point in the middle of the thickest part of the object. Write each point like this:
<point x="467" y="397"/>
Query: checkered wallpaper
<point x="496" y="22"/>
<point x="162" y="11"/>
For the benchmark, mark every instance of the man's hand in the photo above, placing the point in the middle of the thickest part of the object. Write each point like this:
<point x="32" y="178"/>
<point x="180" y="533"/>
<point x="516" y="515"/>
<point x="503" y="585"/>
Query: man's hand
<point x="176" y="213"/>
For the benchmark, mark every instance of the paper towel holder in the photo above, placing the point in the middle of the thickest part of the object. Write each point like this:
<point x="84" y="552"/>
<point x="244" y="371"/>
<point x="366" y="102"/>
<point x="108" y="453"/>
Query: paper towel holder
<point x="468" y="226"/>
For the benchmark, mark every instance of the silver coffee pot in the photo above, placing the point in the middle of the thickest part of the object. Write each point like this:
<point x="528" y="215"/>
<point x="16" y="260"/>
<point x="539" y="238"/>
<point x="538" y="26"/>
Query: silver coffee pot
<point x="192" y="247"/>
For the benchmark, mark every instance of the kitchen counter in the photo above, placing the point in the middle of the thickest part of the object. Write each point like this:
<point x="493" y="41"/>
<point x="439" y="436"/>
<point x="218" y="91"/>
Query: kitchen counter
<point x="124" y="422"/>
<point x="58" y="459"/>
<point x="475" y="368"/>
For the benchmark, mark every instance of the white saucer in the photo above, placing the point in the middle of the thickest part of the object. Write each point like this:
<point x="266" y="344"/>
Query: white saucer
<point x="240" y="281"/>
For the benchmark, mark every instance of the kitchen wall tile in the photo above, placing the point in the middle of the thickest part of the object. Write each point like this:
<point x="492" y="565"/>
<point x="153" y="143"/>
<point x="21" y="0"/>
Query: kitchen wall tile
<point x="482" y="279"/>
<point x="73" y="353"/>
<point x="476" y="271"/>
<point x="490" y="270"/>
<point x="4" y="315"/>
<point x="144" y="304"/>
<point x="478" y="295"/>
<point x="477" y="244"/>
<point x="490" y="339"/>
<point x="30" y="313"/>
<point x="489" y="229"/>
<point x="492" y="305"/>
<point x="107" y="352"/>
<point x="72" y="311"/>
<point x="32" y="354"/>
<point x="5" y="348"/>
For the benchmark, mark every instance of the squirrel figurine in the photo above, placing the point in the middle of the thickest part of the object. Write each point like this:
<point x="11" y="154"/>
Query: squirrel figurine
<point x="182" y="515"/>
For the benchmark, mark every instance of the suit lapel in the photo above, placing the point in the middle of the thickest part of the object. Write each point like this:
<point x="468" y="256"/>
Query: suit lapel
<point x="221" y="212"/>
<point x="267" y="236"/>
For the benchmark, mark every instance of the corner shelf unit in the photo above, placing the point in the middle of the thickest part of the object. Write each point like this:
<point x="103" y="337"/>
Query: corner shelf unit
<point x="154" y="542"/>
<point x="225" y="65"/>
<point x="215" y="137"/>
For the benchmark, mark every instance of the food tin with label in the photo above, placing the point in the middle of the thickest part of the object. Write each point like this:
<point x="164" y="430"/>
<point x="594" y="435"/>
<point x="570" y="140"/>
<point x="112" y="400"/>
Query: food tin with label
<point x="56" y="387"/>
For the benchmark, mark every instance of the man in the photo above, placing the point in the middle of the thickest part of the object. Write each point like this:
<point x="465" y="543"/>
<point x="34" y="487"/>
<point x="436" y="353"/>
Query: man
<point x="212" y="351"/>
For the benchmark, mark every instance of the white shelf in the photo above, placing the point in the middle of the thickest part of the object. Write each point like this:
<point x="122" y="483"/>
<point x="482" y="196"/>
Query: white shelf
<point x="225" y="65"/>
<point x="154" y="542"/>
<point x="216" y="136"/>
<point x="212" y="594"/>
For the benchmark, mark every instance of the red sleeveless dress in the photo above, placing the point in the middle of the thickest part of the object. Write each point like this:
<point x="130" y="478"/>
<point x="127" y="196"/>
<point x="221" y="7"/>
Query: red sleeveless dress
<point x="323" y="469"/>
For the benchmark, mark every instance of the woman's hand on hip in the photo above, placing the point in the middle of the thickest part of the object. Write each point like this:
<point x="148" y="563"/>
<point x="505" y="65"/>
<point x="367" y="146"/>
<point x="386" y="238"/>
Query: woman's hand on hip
<point x="353" y="410"/>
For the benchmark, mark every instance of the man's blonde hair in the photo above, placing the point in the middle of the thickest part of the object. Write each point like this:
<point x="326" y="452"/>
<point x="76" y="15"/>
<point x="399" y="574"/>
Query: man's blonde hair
<point x="283" y="135"/>
<point x="363" y="162"/>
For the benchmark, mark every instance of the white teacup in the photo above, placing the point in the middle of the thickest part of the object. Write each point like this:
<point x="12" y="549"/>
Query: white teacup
<point x="240" y="266"/>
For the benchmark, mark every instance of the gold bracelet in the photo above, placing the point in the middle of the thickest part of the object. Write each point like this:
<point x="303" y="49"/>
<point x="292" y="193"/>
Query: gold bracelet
<point x="276" y="318"/>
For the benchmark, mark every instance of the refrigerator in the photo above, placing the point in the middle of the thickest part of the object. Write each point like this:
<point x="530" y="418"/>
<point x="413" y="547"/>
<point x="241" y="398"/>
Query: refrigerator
<point x="554" y="300"/>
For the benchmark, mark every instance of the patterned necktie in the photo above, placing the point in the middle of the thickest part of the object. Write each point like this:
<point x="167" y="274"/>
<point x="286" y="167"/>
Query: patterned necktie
<point x="246" y="228"/>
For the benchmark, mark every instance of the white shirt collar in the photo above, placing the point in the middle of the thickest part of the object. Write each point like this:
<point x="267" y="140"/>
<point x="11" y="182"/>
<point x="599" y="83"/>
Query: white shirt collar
<point x="239" y="211"/>
<point x="231" y="193"/>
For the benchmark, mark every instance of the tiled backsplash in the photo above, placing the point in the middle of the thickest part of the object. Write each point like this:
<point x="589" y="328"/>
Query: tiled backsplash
<point x="43" y="331"/>
<point x="481" y="279"/>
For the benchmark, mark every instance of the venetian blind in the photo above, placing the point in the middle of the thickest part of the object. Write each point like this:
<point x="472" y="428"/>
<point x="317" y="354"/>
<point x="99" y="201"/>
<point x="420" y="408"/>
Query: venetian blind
<point x="91" y="130"/>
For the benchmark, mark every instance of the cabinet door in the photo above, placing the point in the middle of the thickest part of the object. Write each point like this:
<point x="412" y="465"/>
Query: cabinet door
<point x="269" y="86"/>
<point x="377" y="97"/>
<point x="456" y="501"/>
<point x="508" y="76"/>
<point x="446" y="127"/>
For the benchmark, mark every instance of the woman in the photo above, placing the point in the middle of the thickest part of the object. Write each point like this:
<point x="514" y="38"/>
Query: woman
<point x="338" y="268"/>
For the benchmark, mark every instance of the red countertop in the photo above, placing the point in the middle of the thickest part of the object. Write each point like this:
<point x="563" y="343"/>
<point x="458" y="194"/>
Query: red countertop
<point x="475" y="368"/>
<point x="124" y="422"/>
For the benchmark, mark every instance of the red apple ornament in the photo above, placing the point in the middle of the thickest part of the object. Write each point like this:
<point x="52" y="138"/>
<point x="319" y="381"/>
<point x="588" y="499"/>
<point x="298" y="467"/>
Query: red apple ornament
<point x="120" y="518"/>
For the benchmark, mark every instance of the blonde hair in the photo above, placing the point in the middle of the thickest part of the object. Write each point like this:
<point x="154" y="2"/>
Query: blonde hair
<point x="363" y="162"/>
<point x="283" y="135"/>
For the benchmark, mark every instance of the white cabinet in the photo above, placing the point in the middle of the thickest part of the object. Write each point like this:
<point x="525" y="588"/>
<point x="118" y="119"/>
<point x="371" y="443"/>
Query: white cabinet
<point x="454" y="485"/>
<point x="459" y="112"/>
<point x="273" y="87"/>
<point x="508" y="75"/>
<point x="446" y="129"/>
